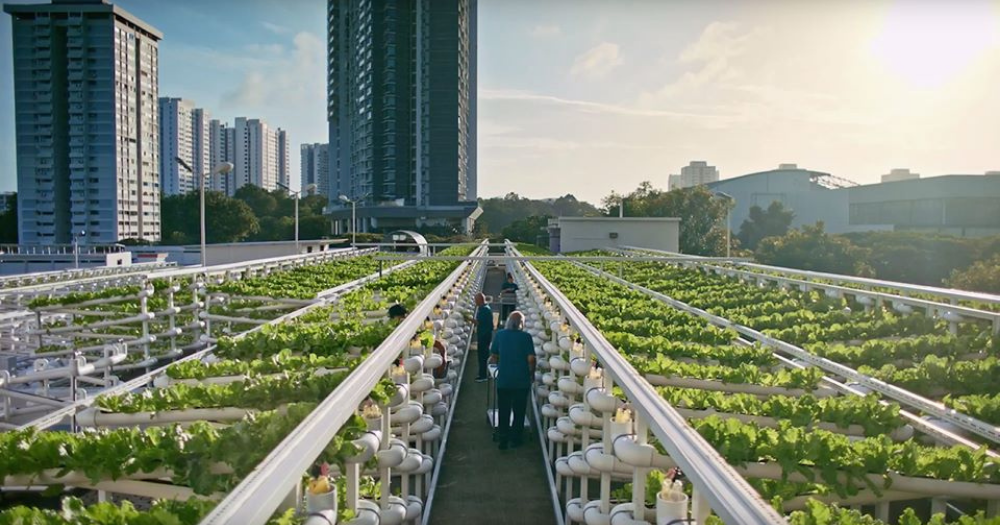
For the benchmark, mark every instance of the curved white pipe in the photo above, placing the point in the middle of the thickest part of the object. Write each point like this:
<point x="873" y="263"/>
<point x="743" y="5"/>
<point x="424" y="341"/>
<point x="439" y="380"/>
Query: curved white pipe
<point x="601" y="401"/>
<point x="407" y="414"/>
<point x="583" y="416"/>
<point x="550" y="411"/>
<point x="432" y="397"/>
<point x="402" y="395"/>
<point x="574" y="510"/>
<point x="567" y="427"/>
<point x="556" y="362"/>
<point x="592" y="514"/>
<point x="440" y="409"/>
<point x="432" y="362"/>
<point x="623" y="515"/>
<point x="392" y="456"/>
<point x="570" y="386"/>
<point x="367" y="513"/>
<point x="422" y="384"/>
<point x="394" y="513"/>
<point x="548" y="379"/>
<point x="580" y="366"/>
<point x="414" y="508"/>
<point x="558" y="399"/>
<point x="638" y="455"/>
<point x="368" y="443"/>
<point x="414" y="364"/>
<point x="607" y="463"/>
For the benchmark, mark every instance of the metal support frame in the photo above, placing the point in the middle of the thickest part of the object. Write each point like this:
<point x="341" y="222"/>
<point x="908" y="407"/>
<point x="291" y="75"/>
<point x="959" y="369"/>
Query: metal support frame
<point x="254" y="500"/>
<point x="981" y="428"/>
<point x="58" y="416"/>
<point x="729" y="495"/>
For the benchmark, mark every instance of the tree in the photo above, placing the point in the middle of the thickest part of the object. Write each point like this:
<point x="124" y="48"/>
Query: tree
<point x="762" y="224"/>
<point x="982" y="276"/>
<point x="500" y="212"/>
<point x="8" y="222"/>
<point x="702" y="215"/>
<point x="920" y="257"/>
<point x="527" y="229"/>
<point x="261" y="202"/>
<point x="811" y="248"/>
<point x="226" y="219"/>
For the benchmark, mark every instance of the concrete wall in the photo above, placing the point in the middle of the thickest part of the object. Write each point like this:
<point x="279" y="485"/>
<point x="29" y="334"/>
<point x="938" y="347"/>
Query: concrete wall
<point x="589" y="233"/>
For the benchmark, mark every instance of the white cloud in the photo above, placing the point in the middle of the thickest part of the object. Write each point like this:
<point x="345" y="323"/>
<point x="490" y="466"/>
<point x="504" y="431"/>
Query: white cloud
<point x="275" y="28"/>
<point x="546" y="31"/>
<point x="597" y="61"/>
<point x="286" y="77"/>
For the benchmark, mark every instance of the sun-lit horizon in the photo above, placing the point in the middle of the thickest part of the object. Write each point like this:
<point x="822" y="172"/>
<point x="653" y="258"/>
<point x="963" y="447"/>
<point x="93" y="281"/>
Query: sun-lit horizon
<point x="593" y="97"/>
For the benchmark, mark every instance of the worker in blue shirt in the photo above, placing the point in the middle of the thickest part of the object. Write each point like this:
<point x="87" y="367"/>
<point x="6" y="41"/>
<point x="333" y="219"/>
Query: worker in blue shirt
<point x="484" y="334"/>
<point x="514" y="352"/>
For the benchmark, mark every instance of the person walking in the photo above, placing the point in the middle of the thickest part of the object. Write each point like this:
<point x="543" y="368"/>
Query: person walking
<point x="514" y="352"/>
<point x="508" y="298"/>
<point x="484" y="334"/>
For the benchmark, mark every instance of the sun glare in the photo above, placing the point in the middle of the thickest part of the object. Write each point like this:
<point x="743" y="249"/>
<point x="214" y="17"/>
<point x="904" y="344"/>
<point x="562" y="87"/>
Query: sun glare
<point x="929" y="44"/>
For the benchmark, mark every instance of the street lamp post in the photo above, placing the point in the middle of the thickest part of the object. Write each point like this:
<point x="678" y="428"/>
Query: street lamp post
<point x="729" y="217"/>
<point x="222" y="168"/>
<point x="297" y="194"/>
<point x="354" y="219"/>
<point x="76" y="248"/>
<point x="354" y="224"/>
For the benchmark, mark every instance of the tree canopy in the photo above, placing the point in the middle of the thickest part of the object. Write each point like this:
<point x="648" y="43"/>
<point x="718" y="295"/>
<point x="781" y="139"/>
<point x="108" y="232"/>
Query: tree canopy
<point x="226" y="219"/>
<point x="983" y="276"/>
<point x="773" y="222"/>
<point x="501" y="212"/>
<point x="703" y="216"/>
<point x="811" y="248"/>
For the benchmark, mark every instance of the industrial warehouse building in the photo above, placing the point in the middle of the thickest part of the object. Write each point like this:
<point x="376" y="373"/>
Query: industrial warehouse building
<point x="963" y="205"/>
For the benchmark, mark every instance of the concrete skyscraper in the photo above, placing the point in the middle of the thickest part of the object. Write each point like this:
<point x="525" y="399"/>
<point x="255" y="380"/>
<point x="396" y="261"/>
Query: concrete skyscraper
<point x="402" y="109"/>
<point x="315" y="167"/>
<point x="86" y="78"/>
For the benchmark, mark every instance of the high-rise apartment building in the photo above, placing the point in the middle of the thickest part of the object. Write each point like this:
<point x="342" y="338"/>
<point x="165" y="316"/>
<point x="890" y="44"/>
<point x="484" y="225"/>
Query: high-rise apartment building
<point x="176" y="143"/>
<point x="314" y="160"/>
<point x="402" y="108"/>
<point x="86" y="78"/>
<point x="221" y="139"/>
<point x="184" y="134"/>
<point x="697" y="173"/>
<point x="201" y="142"/>
<point x="284" y="172"/>
<point x="259" y="154"/>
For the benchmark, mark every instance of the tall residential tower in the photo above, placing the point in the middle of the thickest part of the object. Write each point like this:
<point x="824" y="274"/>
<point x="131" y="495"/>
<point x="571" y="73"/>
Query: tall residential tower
<point x="314" y="162"/>
<point x="85" y="104"/>
<point x="402" y="108"/>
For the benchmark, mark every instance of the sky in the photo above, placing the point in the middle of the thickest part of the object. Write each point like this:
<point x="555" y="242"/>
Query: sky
<point x="594" y="96"/>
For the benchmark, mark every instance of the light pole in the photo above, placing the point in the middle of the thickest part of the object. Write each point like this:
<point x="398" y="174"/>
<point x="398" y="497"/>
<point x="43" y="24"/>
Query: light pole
<point x="354" y="232"/>
<point x="76" y="248"/>
<point x="222" y="168"/>
<point x="297" y="194"/>
<point x="729" y="216"/>
<point x="354" y="220"/>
